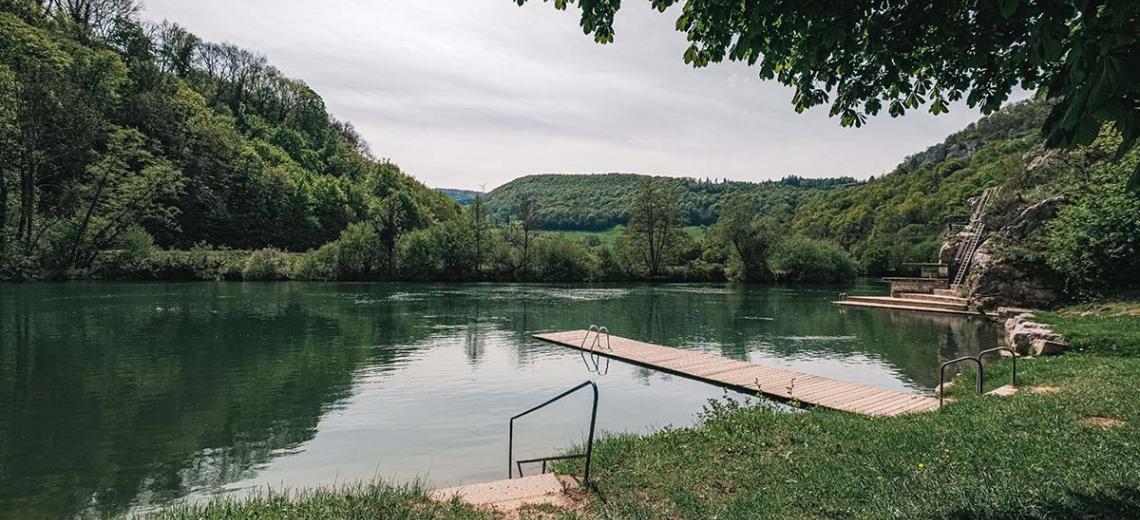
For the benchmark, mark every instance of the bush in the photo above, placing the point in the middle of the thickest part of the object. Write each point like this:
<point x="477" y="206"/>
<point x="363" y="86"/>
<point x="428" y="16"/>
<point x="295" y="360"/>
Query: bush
<point x="1095" y="243"/>
<point x="318" y="265"/>
<point x="557" y="259"/>
<point x="801" y="259"/>
<point x="360" y="253"/>
<point x="268" y="264"/>
<point x="419" y="258"/>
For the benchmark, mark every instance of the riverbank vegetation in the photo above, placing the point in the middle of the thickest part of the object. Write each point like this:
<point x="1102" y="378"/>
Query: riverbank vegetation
<point x="1064" y="446"/>
<point x="139" y="151"/>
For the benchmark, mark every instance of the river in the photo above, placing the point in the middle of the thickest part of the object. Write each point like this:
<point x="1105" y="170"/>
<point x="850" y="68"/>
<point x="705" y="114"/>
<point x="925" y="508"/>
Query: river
<point x="123" y="397"/>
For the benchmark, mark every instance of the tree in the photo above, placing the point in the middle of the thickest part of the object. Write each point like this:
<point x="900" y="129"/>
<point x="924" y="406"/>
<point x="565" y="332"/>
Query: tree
<point x="127" y="186"/>
<point x="654" y="223"/>
<point x="397" y="214"/>
<point x="526" y="222"/>
<point x="748" y="236"/>
<point x="860" y="56"/>
<point x="480" y="229"/>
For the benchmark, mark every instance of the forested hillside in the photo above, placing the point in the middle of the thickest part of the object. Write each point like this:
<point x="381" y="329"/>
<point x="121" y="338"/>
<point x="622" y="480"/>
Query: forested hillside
<point x="602" y="201"/>
<point x="113" y="130"/>
<point x="901" y="216"/>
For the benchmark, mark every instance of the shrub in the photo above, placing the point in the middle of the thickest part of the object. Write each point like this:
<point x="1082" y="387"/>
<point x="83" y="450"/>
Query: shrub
<point x="1095" y="243"/>
<point x="360" y="253"/>
<point x="802" y="259"/>
<point x="267" y="264"/>
<point x="557" y="259"/>
<point x="318" y="265"/>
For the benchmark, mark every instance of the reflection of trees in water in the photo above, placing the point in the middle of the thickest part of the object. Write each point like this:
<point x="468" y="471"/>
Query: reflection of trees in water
<point x="106" y="401"/>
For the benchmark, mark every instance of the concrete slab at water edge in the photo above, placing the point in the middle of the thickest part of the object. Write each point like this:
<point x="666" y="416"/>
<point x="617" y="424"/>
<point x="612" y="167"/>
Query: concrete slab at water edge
<point x="511" y="494"/>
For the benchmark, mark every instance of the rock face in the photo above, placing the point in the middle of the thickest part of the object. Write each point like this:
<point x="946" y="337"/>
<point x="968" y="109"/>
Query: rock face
<point x="995" y="281"/>
<point x="999" y="278"/>
<point x="1027" y="337"/>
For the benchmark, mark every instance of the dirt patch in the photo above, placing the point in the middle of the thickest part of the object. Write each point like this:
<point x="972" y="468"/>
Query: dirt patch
<point x="1101" y="421"/>
<point x="1043" y="389"/>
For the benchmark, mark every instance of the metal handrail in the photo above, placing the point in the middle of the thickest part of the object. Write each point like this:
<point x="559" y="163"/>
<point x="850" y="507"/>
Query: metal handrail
<point x="589" y="439"/>
<point x="594" y="346"/>
<point x="981" y="370"/>
<point x="1013" y="374"/>
<point x="942" y="376"/>
<point x="544" y="460"/>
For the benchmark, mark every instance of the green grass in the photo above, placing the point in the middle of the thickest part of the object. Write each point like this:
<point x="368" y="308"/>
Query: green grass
<point x="609" y="236"/>
<point x="373" y="500"/>
<point x="1028" y="456"/>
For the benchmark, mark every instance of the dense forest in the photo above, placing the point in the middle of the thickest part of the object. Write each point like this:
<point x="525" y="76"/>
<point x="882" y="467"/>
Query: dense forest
<point x="135" y="150"/>
<point x="602" y="201"/>
<point x="113" y="130"/>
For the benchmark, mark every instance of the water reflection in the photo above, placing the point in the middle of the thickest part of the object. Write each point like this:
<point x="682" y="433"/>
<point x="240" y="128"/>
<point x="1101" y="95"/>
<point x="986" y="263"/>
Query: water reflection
<point x="119" y="395"/>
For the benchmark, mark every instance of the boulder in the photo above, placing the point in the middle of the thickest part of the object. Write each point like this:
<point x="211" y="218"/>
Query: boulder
<point x="1045" y="347"/>
<point x="1025" y="336"/>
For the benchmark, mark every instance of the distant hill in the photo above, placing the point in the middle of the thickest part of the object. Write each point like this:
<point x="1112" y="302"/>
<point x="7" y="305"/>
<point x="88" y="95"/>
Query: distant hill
<point x="463" y="197"/>
<point x="591" y="202"/>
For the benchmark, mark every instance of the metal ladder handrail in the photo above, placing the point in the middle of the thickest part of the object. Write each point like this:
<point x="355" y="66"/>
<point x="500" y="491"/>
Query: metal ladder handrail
<point x="1013" y="356"/>
<point x="594" y="346"/>
<point x="589" y="439"/>
<point x="977" y="359"/>
<point x="942" y="376"/>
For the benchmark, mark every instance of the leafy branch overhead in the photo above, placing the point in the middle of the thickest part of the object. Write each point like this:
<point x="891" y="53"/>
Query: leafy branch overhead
<point x="864" y="56"/>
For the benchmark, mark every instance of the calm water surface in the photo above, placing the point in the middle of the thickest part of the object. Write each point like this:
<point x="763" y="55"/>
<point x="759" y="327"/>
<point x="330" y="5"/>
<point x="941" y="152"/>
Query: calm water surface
<point x="122" y="397"/>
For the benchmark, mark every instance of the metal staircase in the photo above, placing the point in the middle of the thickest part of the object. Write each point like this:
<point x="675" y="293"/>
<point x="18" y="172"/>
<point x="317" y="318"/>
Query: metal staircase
<point x="976" y="228"/>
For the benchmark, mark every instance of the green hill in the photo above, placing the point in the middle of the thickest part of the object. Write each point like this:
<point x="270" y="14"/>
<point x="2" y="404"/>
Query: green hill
<point x="111" y="127"/>
<point x="594" y="202"/>
<point x="901" y="216"/>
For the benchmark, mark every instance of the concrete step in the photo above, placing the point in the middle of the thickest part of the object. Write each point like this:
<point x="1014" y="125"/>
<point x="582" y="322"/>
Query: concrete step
<point x="897" y="307"/>
<point x="509" y="495"/>
<point x="934" y="298"/>
<point x="946" y="292"/>
<point x="905" y="302"/>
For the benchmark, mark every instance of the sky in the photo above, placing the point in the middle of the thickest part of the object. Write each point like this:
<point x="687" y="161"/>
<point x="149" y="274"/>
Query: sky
<point x="473" y="93"/>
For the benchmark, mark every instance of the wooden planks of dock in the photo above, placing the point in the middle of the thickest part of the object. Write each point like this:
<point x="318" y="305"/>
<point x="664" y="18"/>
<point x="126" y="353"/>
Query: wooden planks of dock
<point x="742" y="376"/>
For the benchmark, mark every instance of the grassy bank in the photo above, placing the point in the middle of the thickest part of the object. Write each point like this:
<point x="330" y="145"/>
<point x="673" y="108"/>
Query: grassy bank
<point x="1070" y="449"/>
<point x="357" y="501"/>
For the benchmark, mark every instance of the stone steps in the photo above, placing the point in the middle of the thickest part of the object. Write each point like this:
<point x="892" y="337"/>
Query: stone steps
<point x="946" y="292"/>
<point x="934" y="298"/>
<point x="908" y="302"/>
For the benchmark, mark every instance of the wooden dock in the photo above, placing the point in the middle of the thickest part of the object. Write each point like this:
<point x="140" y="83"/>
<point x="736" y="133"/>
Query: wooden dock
<point x="742" y="376"/>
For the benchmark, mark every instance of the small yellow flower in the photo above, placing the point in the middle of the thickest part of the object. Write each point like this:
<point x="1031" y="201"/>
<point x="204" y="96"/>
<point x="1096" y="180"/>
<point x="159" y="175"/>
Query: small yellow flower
<point x="921" y="466"/>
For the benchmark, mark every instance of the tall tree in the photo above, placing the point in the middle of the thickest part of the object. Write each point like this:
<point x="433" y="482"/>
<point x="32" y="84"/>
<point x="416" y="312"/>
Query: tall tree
<point x="654" y="224"/>
<point x="127" y="186"/>
<point x="860" y="56"/>
<point x="480" y="230"/>
<point x="397" y="214"/>
<point x="527" y="221"/>
<point x="748" y="235"/>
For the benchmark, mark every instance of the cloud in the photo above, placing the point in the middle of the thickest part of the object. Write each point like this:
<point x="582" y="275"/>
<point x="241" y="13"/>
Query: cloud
<point x="464" y="93"/>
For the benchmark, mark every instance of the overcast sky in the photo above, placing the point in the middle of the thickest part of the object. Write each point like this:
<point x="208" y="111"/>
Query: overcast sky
<point x="464" y="93"/>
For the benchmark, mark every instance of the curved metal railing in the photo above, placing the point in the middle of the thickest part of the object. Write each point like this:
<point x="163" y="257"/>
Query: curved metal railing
<point x="981" y="370"/>
<point x="589" y="440"/>
<point x="595" y="359"/>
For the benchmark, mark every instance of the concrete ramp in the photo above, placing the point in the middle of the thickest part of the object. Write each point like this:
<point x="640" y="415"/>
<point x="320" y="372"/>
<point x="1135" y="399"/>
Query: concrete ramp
<point x="509" y="495"/>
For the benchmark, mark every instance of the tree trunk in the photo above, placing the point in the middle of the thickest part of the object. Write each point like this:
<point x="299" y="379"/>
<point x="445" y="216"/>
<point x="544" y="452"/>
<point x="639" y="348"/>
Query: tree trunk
<point x="3" y="212"/>
<point x="27" y="207"/>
